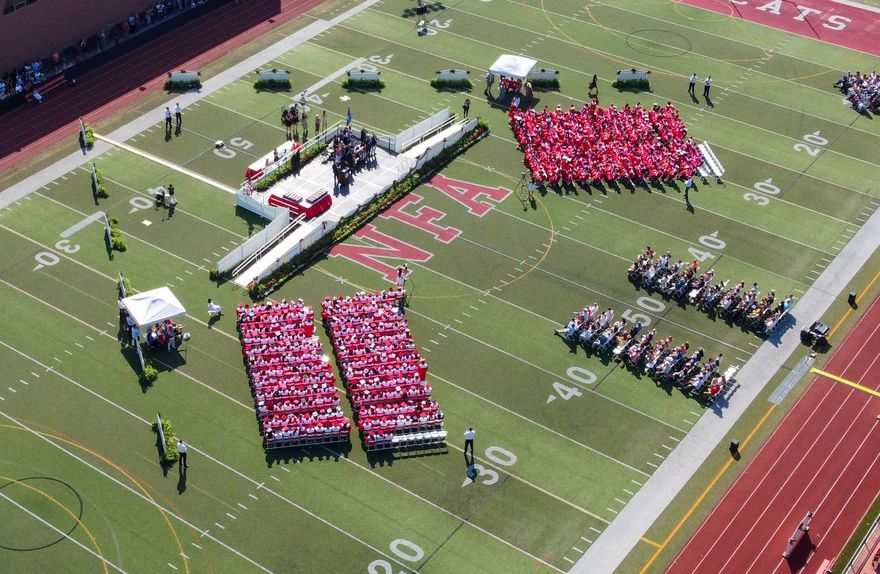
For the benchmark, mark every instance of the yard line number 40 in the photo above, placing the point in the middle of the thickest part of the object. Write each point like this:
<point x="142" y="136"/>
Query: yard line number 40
<point x="812" y="145"/>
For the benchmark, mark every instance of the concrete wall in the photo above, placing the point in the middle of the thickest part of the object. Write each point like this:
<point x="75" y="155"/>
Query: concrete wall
<point x="34" y="31"/>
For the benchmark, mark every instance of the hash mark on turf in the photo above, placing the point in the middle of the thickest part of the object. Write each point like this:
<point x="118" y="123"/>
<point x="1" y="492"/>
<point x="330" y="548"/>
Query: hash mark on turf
<point x="185" y="557"/>
<point x="623" y="502"/>
<point x="475" y="308"/>
<point x="252" y="496"/>
<point x="666" y="447"/>
<point x="652" y="464"/>
<point x="23" y="382"/>
<point x="443" y="335"/>
<point x="567" y="559"/>
<point x="78" y="345"/>
<point x="596" y="530"/>
<point x="172" y="566"/>
<point x="275" y="478"/>
<point x="242" y="505"/>
<point x="658" y="455"/>
<point x="188" y="272"/>
<point x="675" y="439"/>
<point x="481" y="301"/>
<point x="89" y="338"/>
<point x="629" y="492"/>
<point x="68" y="352"/>
<point x="433" y="341"/>
<point x="34" y="374"/>
<point x="459" y="322"/>
<point x="13" y="390"/>
<point x="220" y="525"/>
<point x="285" y="469"/>
<point x="231" y="516"/>
<point x="610" y="510"/>
<point x="57" y="359"/>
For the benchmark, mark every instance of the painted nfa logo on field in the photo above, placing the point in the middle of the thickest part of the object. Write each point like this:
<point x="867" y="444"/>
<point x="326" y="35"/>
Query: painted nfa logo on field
<point x="473" y="196"/>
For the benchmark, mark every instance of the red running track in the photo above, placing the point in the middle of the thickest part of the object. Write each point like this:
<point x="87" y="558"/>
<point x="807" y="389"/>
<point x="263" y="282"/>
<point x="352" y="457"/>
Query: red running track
<point x="101" y="93"/>
<point x="824" y="457"/>
<point x="847" y="23"/>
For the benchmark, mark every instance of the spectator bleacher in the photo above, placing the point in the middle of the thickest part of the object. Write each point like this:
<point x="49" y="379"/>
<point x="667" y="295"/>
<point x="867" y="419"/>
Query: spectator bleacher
<point x="292" y="381"/>
<point x="593" y="144"/>
<point x="382" y="370"/>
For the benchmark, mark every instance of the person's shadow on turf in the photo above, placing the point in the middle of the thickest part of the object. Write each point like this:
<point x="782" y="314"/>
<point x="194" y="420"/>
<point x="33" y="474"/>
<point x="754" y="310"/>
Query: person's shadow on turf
<point x="181" y="481"/>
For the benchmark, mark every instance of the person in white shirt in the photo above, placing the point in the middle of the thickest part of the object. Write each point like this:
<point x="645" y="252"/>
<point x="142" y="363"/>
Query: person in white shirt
<point x="692" y="84"/>
<point x="181" y="448"/>
<point x="469" y="440"/>
<point x="214" y="310"/>
<point x="706" y="86"/>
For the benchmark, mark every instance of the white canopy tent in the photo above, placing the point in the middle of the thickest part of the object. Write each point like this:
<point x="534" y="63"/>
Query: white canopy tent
<point x="153" y="306"/>
<point x="511" y="66"/>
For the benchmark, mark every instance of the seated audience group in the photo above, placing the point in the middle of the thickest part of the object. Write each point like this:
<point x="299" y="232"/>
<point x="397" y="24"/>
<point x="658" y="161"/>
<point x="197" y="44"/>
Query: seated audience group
<point x="681" y="281"/>
<point x="293" y="384"/>
<point x="380" y="365"/>
<point x="862" y="90"/>
<point x="593" y="144"/>
<point x="597" y="332"/>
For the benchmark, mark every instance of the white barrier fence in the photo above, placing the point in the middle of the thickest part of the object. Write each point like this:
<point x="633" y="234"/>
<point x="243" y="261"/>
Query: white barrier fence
<point x="449" y="140"/>
<point x="421" y="131"/>
<point x="543" y="74"/>
<point x="453" y="75"/>
<point x="858" y="561"/>
<point x="258" y="240"/>
<point x="273" y="76"/>
<point x="183" y="76"/>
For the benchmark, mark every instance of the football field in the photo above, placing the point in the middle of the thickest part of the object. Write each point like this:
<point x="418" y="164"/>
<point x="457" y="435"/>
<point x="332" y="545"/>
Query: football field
<point x="565" y="438"/>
